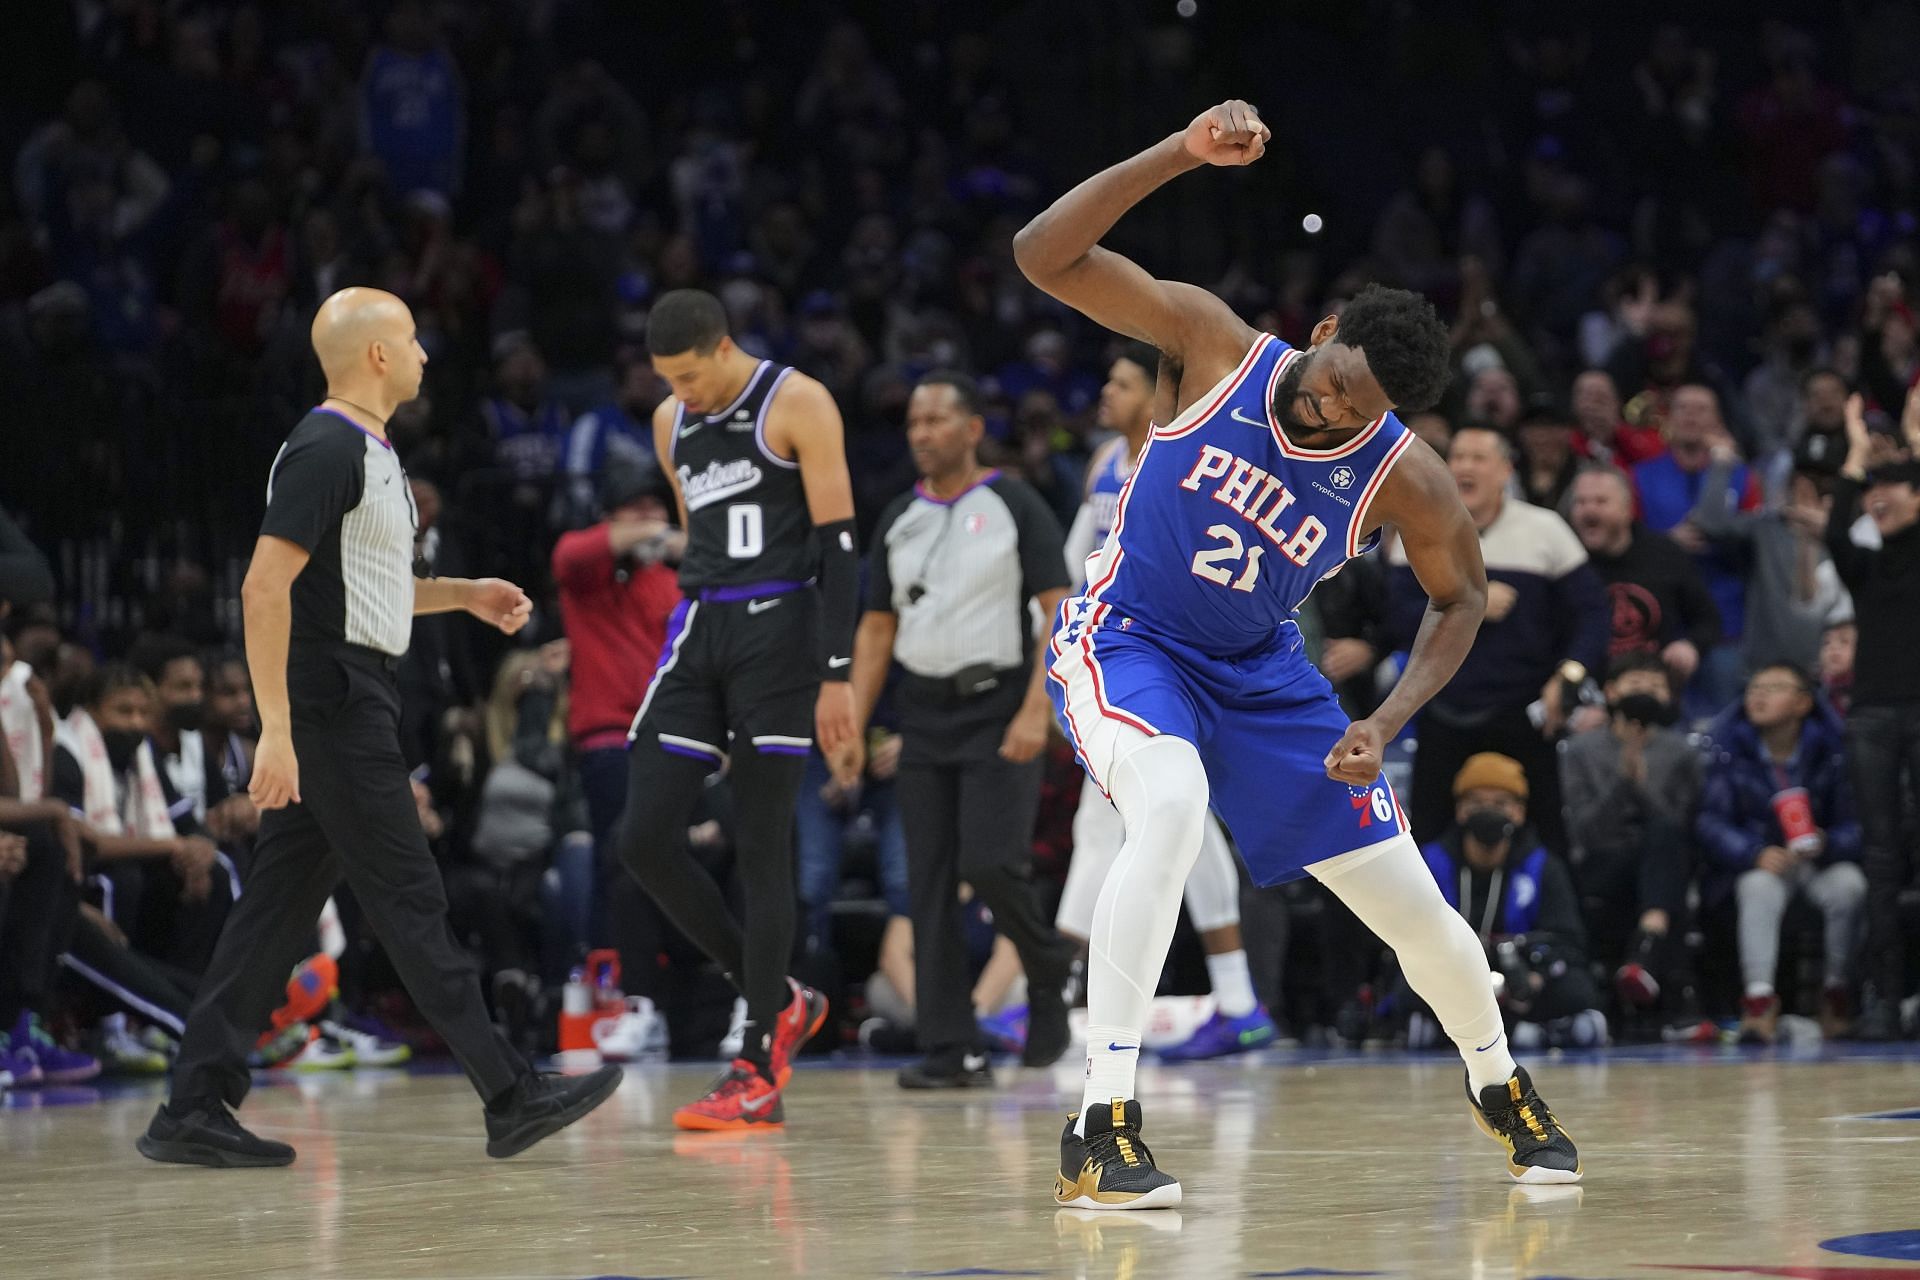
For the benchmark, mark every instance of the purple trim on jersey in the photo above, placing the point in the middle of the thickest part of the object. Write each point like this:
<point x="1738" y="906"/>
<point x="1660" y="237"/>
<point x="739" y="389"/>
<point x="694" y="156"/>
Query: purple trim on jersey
<point x="749" y="591"/>
<point x="384" y="444"/>
<point x="778" y="749"/>
<point x="688" y="752"/>
<point x="925" y="494"/>
<point x="745" y="391"/>
<point x="760" y="427"/>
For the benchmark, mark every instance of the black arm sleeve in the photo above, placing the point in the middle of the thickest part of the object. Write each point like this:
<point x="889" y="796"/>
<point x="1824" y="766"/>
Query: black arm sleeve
<point x="839" y="598"/>
<point x="316" y="480"/>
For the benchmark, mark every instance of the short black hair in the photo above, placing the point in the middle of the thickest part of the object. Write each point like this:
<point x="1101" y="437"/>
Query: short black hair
<point x="216" y="661"/>
<point x="1142" y="355"/>
<point x="1406" y="346"/>
<point x="1506" y="442"/>
<point x="112" y="678"/>
<point x="965" y="389"/>
<point x="685" y="320"/>
<point x="1794" y="669"/>
<point x="1637" y="660"/>
<point x="1907" y="473"/>
<point x="153" y="654"/>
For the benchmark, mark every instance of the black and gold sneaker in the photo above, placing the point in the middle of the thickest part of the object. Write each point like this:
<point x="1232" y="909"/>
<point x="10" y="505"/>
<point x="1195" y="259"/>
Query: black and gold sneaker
<point x="1111" y="1167"/>
<point x="1539" y="1150"/>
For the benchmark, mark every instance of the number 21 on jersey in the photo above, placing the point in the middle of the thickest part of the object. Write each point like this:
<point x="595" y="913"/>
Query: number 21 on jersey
<point x="1218" y="564"/>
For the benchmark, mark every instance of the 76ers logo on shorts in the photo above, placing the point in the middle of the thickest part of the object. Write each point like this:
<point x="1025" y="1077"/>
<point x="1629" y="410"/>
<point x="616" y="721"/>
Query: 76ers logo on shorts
<point x="1371" y="804"/>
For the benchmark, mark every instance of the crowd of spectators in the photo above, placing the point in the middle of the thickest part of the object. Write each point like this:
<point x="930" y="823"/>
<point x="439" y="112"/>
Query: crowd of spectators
<point x="1670" y="251"/>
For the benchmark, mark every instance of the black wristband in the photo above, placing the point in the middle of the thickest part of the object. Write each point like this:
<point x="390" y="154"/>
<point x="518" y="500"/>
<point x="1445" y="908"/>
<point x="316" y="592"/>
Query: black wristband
<point x="839" y="598"/>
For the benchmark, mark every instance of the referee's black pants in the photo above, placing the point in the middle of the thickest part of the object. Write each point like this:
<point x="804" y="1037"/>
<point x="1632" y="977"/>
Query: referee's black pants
<point x="356" y="818"/>
<point x="968" y="815"/>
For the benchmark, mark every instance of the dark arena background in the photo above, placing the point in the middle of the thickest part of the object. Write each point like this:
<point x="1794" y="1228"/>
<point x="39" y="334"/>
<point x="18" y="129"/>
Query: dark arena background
<point x="1676" y="253"/>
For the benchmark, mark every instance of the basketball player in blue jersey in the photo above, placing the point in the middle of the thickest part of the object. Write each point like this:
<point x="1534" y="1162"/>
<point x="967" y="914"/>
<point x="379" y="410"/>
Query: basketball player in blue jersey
<point x="1139" y="391"/>
<point x="1180" y="672"/>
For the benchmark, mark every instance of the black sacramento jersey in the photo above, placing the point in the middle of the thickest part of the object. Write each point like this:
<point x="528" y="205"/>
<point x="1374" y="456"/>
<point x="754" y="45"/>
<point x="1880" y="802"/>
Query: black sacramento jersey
<point x="747" y="517"/>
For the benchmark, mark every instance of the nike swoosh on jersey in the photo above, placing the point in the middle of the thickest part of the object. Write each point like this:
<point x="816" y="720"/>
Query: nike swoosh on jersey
<point x="1237" y="416"/>
<point x="688" y="430"/>
<point x="837" y="663"/>
<point x="761" y="606"/>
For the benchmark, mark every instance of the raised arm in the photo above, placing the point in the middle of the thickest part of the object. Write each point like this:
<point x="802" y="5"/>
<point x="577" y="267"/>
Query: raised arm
<point x="1060" y="252"/>
<point x="1443" y="549"/>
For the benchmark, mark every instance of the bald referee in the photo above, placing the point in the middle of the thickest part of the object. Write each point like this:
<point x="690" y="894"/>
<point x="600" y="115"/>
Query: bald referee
<point x="330" y="600"/>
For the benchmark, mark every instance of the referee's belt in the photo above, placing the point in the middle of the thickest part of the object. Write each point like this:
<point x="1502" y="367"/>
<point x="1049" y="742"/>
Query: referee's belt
<point x="964" y="685"/>
<point x="749" y="591"/>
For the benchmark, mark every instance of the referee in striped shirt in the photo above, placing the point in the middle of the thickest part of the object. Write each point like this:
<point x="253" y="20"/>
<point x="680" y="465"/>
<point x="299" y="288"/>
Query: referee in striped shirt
<point x="953" y="568"/>
<point x="330" y="599"/>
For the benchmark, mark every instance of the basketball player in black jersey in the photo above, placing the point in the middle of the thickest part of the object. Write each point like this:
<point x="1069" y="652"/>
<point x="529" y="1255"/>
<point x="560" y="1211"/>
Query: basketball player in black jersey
<point x="755" y="665"/>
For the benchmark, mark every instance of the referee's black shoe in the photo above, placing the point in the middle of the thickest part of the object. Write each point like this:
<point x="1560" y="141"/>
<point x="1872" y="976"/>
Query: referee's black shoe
<point x="949" y="1069"/>
<point x="1048" y="1034"/>
<point x="204" y="1132"/>
<point x="542" y="1105"/>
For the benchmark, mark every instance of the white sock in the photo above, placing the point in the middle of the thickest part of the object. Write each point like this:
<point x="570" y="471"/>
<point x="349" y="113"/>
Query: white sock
<point x="1109" y="1069"/>
<point x="1759" y="990"/>
<point x="1160" y="789"/>
<point x="1232" y="983"/>
<point x="1390" y="888"/>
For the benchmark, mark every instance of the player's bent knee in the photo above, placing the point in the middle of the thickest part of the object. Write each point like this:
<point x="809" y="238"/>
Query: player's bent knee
<point x="1161" y="786"/>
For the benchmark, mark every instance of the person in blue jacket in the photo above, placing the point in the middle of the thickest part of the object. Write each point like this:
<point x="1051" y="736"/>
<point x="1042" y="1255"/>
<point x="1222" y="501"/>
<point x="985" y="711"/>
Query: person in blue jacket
<point x="1776" y="822"/>
<point x="1493" y="869"/>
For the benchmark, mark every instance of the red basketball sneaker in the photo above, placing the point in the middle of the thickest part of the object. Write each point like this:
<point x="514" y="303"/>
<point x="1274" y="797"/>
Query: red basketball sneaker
<point x="742" y="1099"/>
<point x="803" y="1017"/>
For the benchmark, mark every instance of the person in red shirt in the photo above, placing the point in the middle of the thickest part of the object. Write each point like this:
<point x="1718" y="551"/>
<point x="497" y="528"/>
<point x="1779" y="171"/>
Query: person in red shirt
<point x="1605" y="436"/>
<point x="618" y="583"/>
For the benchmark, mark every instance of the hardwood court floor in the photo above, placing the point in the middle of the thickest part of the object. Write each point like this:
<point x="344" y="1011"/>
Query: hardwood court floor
<point x="1294" y="1164"/>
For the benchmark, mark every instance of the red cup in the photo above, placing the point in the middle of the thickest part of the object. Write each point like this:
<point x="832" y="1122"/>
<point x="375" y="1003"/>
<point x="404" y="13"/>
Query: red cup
<point x="1795" y="814"/>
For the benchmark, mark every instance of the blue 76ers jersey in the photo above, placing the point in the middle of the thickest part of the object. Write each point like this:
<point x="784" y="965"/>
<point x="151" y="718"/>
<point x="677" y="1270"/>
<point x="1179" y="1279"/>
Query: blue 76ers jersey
<point x="1225" y="525"/>
<point x="1109" y="481"/>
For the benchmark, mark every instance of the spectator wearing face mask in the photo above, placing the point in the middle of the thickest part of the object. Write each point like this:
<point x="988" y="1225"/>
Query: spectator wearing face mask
<point x="1777" y="823"/>
<point x="1631" y="789"/>
<point x="1492" y="868"/>
<point x="168" y="891"/>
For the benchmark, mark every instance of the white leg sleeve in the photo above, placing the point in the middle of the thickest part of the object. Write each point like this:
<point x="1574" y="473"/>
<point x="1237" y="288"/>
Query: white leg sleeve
<point x="1389" y="887"/>
<point x="1213" y="886"/>
<point x="1097" y="833"/>
<point x="1160" y="788"/>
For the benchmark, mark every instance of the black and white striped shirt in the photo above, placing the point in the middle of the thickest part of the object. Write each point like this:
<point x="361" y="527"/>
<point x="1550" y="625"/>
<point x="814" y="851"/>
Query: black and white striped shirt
<point x="338" y="491"/>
